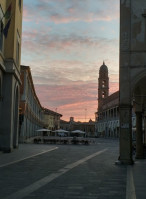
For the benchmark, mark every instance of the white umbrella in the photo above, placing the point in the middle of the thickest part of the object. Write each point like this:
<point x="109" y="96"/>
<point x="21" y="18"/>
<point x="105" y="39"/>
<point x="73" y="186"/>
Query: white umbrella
<point x="61" y="131"/>
<point x="43" y="130"/>
<point x="78" y="131"/>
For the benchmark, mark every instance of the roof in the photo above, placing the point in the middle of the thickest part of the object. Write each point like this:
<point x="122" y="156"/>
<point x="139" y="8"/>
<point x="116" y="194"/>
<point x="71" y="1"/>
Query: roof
<point x="48" y="111"/>
<point x="111" y="98"/>
<point x="103" y="68"/>
<point x="27" y="68"/>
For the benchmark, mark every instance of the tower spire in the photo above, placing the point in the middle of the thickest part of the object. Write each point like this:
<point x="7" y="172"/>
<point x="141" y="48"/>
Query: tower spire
<point x="103" y="85"/>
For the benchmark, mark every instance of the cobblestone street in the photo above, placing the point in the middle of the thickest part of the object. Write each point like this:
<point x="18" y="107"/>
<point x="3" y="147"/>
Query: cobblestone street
<point x="63" y="171"/>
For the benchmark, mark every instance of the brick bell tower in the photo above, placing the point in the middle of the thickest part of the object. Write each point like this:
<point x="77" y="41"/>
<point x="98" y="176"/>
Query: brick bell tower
<point x="103" y="85"/>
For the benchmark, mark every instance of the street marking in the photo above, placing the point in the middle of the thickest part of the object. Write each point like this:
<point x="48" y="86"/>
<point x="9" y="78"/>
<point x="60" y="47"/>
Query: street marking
<point x="10" y="163"/>
<point x="130" y="188"/>
<point x="42" y="182"/>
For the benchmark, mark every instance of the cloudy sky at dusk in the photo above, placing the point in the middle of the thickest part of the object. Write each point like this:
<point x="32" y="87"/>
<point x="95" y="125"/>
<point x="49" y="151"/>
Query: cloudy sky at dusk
<point x="65" y="42"/>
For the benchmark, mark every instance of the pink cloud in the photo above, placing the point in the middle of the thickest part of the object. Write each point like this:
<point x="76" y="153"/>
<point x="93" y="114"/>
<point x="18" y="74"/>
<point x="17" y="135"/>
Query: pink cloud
<point x="81" y="111"/>
<point x="65" y="73"/>
<point x="49" y="44"/>
<point x="72" y="11"/>
<point x="27" y="15"/>
<point x="114" y="86"/>
<point x="70" y="100"/>
<point x="89" y="18"/>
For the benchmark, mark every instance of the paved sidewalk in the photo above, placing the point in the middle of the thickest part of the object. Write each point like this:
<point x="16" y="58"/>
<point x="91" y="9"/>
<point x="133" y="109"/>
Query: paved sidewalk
<point x="25" y="151"/>
<point x="136" y="180"/>
<point x="139" y="177"/>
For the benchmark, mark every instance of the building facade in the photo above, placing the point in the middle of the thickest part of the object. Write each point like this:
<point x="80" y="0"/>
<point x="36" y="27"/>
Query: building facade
<point x="10" y="56"/>
<point x="51" y="119"/>
<point x="88" y="127"/>
<point x="107" y="116"/>
<point x="132" y="77"/>
<point x="31" y="113"/>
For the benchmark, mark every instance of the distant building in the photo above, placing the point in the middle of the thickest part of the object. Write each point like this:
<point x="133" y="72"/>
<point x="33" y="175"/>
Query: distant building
<point x="65" y="125"/>
<point x="88" y="127"/>
<point x="10" y="55"/>
<point x="31" y="112"/>
<point x="51" y="119"/>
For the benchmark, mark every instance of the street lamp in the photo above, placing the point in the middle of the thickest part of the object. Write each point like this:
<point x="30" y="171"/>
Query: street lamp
<point x="85" y="114"/>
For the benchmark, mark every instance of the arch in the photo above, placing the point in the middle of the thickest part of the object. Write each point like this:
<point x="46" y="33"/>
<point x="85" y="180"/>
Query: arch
<point x="139" y="91"/>
<point x="15" y="116"/>
<point x="139" y="103"/>
<point x="137" y="79"/>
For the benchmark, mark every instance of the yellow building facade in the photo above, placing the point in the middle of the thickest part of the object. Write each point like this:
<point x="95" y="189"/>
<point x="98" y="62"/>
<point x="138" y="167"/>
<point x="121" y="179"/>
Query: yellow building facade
<point x="51" y="119"/>
<point x="10" y="58"/>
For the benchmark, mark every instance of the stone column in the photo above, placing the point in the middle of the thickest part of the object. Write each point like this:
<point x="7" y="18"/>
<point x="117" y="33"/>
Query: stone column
<point x="116" y="112"/>
<point x="125" y="134"/>
<point x="16" y="118"/>
<point x="139" y="136"/>
<point x="145" y="130"/>
<point x="7" y="120"/>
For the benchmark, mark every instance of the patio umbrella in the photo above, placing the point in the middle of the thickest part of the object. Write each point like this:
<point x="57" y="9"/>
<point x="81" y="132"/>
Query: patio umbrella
<point x="61" y="131"/>
<point x="78" y="131"/>
<point x="43" y="130"/>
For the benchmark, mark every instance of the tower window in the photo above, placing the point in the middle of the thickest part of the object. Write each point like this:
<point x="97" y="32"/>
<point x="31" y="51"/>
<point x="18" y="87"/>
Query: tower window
<point x="103" y="94"/>
<point x="103" y="84"/>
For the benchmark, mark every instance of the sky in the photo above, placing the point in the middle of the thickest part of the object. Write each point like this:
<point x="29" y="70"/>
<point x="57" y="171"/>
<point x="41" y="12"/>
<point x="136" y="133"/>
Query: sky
<point x="65" y="42"/>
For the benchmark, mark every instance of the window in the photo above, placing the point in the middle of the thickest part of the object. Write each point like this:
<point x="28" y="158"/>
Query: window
<point x="103" y="84"/>
<point x="19" y="4"/>
<point x="1" y="29"/>
<point x="17" y="54"/>
<point x="103" y="94"/>
<point x="18" y="48"/>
